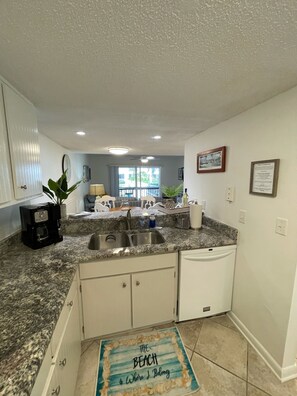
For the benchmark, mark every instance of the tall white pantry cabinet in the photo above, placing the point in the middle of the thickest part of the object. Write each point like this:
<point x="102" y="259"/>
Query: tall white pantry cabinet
<point x="20" y="170"/>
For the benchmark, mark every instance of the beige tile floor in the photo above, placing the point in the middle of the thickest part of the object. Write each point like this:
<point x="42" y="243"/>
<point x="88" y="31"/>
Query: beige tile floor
<point x="225" y="364"/>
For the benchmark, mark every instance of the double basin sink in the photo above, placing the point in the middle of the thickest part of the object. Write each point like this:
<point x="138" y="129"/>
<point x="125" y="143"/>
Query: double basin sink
<point x="114" y="240"/>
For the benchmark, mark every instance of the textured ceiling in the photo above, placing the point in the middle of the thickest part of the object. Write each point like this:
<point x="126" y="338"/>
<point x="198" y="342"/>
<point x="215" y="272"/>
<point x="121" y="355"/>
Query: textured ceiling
<point x="124" y="70"/>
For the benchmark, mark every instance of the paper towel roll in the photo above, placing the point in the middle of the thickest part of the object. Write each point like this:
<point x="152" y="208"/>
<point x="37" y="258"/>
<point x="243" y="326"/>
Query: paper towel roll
<point x="195" y="216"/>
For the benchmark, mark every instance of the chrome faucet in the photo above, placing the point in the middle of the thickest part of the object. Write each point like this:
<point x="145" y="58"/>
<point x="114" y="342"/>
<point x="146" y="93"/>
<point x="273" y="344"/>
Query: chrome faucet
<point x="127" y="219"/>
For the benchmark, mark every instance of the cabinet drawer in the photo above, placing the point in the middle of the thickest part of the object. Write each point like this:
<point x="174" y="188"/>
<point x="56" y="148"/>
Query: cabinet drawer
<point x="127" y="265"/>
<point x="57" y="335"/>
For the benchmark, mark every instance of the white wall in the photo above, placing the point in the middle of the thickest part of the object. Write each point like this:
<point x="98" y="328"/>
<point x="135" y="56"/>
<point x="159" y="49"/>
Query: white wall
<point x="266" y="262"/>
<point x="51" y="164"/>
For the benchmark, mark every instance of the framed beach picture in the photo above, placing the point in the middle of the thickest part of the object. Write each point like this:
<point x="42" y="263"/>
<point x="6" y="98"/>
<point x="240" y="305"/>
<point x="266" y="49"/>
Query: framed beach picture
<point x="211" y="160"/>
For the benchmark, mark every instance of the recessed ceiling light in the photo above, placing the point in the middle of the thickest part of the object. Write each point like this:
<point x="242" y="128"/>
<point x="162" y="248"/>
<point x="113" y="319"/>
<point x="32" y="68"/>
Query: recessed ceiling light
<point x="81" y="133"/>
<point x="118" y="150"/>
<point x="144" y="160"/>
<point x="157" y="137"/>
<point x="150" y="157"/>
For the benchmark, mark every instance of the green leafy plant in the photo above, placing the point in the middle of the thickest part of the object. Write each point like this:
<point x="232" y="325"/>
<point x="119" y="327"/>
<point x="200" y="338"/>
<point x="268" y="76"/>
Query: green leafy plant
<point x="58" y="191"/>
<point x="172" y="191"/>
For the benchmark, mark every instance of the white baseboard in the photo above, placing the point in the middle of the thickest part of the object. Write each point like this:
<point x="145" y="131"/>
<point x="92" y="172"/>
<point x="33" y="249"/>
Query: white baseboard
<point x="283" y="373"/>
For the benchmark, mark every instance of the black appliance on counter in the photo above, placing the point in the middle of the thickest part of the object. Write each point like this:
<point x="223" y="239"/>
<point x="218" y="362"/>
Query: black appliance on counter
<point x="40" y="225"/>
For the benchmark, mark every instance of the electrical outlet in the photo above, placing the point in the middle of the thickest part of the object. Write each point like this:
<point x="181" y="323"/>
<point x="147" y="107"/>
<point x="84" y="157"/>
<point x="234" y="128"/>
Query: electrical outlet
<point x="230" y="194"/>
<point x="242" y="216"/>
<point x="281" y="226"/>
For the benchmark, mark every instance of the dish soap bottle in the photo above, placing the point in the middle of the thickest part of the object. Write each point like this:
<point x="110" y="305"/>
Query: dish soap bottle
<point x="185" y="198"/>
<point x="152" y="221"/>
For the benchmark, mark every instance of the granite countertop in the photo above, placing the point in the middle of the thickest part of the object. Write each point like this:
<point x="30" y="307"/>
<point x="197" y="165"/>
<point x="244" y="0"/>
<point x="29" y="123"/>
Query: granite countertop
<point x="35" y="283"/>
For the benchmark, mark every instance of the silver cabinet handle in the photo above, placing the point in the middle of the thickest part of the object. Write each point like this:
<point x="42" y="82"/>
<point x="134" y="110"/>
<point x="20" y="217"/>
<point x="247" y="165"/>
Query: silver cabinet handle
<point x="62" y="363"/>
<point x="70" y="304"/>
<point x="124" y="285"/>
<point x="24" y="187"/>
<point x="137" y="283"/>
<point x="56" y="391"/>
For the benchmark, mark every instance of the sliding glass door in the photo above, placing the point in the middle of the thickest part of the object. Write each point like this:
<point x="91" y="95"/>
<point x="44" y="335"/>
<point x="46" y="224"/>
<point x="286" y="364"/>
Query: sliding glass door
<point x="139" y="181"/>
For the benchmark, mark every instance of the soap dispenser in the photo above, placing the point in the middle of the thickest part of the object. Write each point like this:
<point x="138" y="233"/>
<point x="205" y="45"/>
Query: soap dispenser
<point x="152" y="223"/>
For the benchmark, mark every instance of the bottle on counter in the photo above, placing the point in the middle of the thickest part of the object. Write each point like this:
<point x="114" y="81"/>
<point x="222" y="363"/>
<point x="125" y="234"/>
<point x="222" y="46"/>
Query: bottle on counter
<point x="152" y="221"/>
<point x="185" y="198"/>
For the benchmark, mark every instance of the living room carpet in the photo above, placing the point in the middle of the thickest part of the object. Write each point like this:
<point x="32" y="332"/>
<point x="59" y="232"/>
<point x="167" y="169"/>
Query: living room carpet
<point x="148" y="363"/>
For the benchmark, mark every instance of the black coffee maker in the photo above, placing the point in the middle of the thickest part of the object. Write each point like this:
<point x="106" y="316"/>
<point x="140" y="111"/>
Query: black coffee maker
<point x="40" y="225"/>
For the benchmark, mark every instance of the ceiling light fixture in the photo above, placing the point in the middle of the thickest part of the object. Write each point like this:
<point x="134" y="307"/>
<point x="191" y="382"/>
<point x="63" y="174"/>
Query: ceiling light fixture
<point x="150" y="157"/>
<point x="144" y="160"/>
<point x="118" y="150"/>
<point x="157" y="137"/>
<point x="81" y="133"/>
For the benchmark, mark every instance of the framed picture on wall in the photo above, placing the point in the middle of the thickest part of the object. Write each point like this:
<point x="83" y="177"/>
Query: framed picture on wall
<point x="211" y="160"/>
<point x="180" y="173"/>
<point x="264" y="177"/>
<point x="86" y="173"/>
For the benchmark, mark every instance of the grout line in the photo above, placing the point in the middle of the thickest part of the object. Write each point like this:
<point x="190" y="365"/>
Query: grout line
<point x="223" y="368"/>
<point x="247" y="377"/>
<point x="247" y="368"/>
<point x="212" y="318"/>
<point x="194" y="348"/>
<point x="268" y="394"/>
<point x="87" y="348"/>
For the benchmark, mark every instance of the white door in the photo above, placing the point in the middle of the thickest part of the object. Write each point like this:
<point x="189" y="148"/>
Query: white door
<point x="106" y="305"/>
<point x="6" y="192"/>
<point x="153" y="297"/>
<point x="23" y="143"/>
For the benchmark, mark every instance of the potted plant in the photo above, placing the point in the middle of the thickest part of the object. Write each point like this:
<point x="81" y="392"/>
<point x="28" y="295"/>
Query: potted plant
<point x="170" y="193"/>
<point x="58" y="191"/>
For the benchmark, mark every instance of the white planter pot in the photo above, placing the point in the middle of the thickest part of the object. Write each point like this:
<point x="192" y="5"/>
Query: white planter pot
<point x="63" y="210"/>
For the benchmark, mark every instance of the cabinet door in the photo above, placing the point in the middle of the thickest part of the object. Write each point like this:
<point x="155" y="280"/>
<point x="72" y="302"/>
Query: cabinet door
<point x="52" y="386"/>
<point x="106" y="305"/>
<point x="6" y="192"/>
<point x="24" y="145"/>
<point x="68" y="358"/>
<point x="153" y="297"/>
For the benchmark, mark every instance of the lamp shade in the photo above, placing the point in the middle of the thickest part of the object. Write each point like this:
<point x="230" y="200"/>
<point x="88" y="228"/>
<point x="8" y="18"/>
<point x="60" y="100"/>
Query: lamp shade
<point x="97" y="189"/>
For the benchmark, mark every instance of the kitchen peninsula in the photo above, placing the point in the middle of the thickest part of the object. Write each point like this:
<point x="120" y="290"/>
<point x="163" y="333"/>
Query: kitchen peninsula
<point x="35" y="283"/>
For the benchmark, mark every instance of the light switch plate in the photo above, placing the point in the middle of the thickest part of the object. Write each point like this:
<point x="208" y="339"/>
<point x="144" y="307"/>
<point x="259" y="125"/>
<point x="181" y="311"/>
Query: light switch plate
<point x="281" y="226"/>
<point x="242" y="216"/>
<point x="230" y="194"/>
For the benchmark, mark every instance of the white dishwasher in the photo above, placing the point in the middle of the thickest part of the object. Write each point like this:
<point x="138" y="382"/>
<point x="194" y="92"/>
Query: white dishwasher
<point x="205" y="281"/>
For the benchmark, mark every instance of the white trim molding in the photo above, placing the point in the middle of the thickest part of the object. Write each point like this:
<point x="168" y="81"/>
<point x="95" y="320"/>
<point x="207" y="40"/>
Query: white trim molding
<point x="283" y="373"/>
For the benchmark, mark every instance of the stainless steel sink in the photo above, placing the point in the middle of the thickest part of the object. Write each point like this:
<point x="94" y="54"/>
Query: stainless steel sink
<point x="152" y="237"/>
<point x="110" y="240"/>
<point x="114" y="240"/>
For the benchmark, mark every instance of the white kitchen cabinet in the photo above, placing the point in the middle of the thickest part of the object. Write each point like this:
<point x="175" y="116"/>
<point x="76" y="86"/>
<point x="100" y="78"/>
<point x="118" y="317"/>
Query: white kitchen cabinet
<point x="153" y="297"/>
<point x="122" y="294"/>
<point x="106" y="305"/>
<point x="6" y="190"/>
<point x="59" y="369"/>
<point x="23" y="144"/>
<point x="68" y="357"/>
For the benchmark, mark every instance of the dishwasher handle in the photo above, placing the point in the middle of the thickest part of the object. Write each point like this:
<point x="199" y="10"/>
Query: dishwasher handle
<point x="207" y="258"/>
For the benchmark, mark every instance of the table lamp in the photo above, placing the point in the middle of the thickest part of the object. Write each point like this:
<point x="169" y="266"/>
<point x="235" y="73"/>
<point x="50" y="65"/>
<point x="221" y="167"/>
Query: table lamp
<point x="97" y="189"/>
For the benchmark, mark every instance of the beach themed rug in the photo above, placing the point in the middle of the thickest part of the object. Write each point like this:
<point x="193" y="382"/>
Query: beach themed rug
<point x="152" y="363"/>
